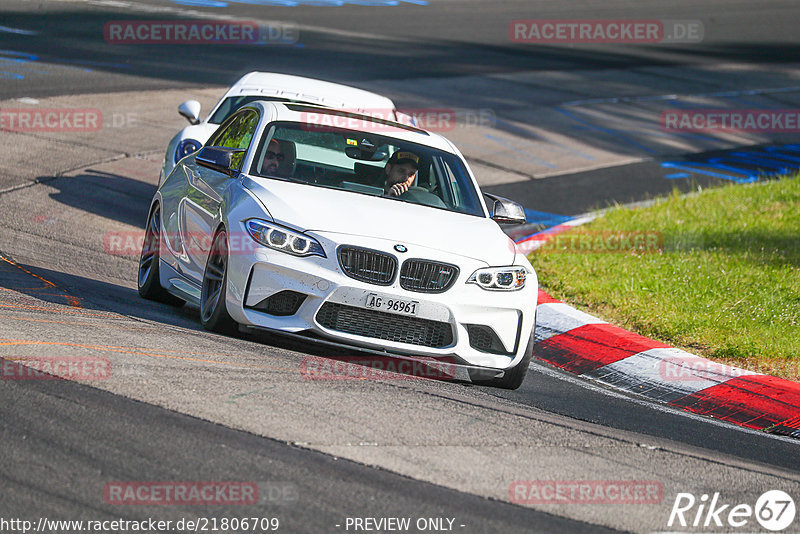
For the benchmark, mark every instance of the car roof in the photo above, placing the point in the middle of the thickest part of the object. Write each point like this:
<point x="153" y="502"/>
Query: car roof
<point x="312" y="115"/>
<point x="274" y="85"/>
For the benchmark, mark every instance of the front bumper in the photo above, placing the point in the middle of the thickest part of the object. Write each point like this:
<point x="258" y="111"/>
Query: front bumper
<point x="465" y="323"/>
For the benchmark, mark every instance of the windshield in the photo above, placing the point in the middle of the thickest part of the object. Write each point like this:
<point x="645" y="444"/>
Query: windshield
<point x="357" y="162"/>
<point x="232" y="103"/>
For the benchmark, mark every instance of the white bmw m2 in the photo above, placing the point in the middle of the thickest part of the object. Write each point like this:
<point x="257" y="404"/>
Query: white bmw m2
<point x="287" y="221"/>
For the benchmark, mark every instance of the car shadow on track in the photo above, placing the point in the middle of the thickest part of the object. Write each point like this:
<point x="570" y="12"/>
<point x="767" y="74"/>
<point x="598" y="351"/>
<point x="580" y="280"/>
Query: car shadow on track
<point x="108" y="195"/>
<point x="63" y="294"/>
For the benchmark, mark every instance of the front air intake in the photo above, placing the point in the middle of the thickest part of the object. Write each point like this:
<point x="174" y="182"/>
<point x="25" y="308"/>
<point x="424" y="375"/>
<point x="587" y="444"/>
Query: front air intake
<point x="282" y="303"/>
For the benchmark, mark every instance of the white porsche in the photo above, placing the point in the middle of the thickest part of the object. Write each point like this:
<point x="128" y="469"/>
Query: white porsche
<point x="288" y="221"/>
<point x="273" y="87"/>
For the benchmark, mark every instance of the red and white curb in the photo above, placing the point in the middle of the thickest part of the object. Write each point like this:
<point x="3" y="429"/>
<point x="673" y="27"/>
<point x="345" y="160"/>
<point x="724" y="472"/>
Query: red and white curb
<point x="592" y="348"/>
<point x="528" y="244"/>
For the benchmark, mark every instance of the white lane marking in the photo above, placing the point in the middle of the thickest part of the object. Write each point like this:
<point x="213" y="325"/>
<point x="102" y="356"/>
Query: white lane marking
<point x="587" y="384"/>
<point x="646" y="98"/>
<point x="620" y="161"/>
<point x="9" y="29"/>
<point x="111" y="3"/>
<point x="579" y="220"/>
<point x="193" y="13"/>
<point x="28" y="100"/>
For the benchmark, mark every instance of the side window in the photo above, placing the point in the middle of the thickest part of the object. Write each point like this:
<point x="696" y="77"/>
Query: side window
<point x="446" y="184"/>
<point x="457" y="192"/>
<point x="237" y="133"/>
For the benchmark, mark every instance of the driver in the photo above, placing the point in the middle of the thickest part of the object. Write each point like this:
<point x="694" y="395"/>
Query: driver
<point x="399" y="176"/>
<point x="400" y="173"/>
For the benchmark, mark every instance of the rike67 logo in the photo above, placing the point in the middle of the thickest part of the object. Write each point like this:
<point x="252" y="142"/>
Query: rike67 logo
<point x="774" y="511"/>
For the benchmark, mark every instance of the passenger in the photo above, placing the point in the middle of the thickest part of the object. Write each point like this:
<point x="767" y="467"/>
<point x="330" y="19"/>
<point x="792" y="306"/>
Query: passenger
<point x="274" y="163"/>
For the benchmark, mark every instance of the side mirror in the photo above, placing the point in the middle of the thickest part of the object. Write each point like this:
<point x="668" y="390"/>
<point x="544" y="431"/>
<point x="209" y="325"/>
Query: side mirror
<point x="507" y="211"/>
<point x="191" y="110"/>
<point x="221" y="159"/>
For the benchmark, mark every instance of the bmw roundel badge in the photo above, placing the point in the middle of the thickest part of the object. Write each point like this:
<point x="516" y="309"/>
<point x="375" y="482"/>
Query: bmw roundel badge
<point x="401" y="248"/>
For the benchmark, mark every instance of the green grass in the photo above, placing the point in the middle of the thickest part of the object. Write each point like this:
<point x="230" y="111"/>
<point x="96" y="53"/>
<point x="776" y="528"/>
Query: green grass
<point x="725" y="284"/>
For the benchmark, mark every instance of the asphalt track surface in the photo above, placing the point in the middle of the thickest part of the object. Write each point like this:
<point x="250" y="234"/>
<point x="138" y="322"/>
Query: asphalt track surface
<point x="181" y="419"/>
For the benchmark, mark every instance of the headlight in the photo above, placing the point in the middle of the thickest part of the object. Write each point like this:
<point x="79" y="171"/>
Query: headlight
<point x="499" y="278"/>
<point x="279" y="238"/>
<point x="186" y="147"/>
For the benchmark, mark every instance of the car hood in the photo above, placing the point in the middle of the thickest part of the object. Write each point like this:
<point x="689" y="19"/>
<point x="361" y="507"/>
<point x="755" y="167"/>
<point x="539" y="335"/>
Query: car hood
<point x="318" y="209"/>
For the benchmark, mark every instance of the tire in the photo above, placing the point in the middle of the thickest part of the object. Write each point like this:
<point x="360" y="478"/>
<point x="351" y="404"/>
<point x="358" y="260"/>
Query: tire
<point x="512" y="378"/>
<point x="148" y="278"/>
<point x="213" y="310"/>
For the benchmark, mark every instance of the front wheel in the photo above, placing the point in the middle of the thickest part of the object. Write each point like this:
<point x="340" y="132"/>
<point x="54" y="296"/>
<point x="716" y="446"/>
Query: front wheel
<point x="213" y="311"/>
<point x="148" y="280"/>
<point x="512" y="378"/>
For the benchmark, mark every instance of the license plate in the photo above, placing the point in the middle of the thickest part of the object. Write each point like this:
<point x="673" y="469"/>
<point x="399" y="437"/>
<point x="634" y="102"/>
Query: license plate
<point x="392" y="305"/>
